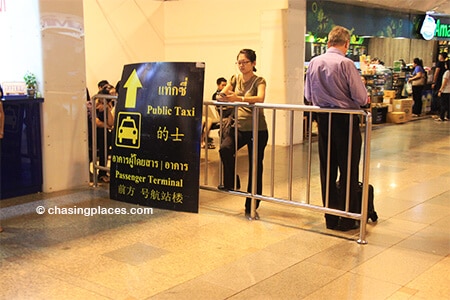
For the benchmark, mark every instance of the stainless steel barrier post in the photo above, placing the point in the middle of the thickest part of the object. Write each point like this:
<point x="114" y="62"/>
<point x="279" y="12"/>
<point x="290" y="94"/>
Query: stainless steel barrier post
<point x="236" y="141"/>
<point x="272" y="156"/>
<point x="98" y="166"/>
<point x="291" y="153"/>
<point x="365" y="180"/>
<point x="349" y="162"/>
<point x="254" y="161"/>
<point x="308" y="178"/>
<point x="205" y="140"/>
<point x="327" y="190"/>
<point x="94" y="140"/>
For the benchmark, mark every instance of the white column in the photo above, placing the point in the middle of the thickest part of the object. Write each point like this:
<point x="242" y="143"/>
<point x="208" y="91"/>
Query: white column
<point x="64" y="117"/>
<point x="283" y="53"/>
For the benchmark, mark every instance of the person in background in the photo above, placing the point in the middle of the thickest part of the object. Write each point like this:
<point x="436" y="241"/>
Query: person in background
<point x="207" y="124"/>
<point x="444" y="94"/>
<point x="108" y="89"/>
<point x="369" y="92"/>
<point x="104" y="118"/>
<point x="221" y="83"/>
<point x="89" y="128"/>
<point x="376" y="61"/>
<point x="2" y="125"/>
<point x="418" y="80"/>
<point x="437" y="82"/>
<point x="332" y="81"/>
<point x="101" y="84"/>
<point x="250" y="88"/>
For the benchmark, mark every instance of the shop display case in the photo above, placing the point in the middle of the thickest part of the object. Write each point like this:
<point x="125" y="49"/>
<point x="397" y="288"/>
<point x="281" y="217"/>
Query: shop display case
<point x="444" y="46"/>
<point x="313" y="49"/>
<point x="21" y="159"/>
<point x="398" y="82"/>
<point x="378" y="82"/>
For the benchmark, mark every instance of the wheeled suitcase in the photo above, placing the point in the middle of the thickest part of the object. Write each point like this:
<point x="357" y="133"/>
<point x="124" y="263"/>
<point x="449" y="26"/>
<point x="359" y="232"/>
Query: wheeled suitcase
<point x="371" y="213"/>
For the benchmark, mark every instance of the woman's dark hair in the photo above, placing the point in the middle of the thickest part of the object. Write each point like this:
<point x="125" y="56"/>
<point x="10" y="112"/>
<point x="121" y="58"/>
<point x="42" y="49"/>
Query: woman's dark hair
<point x="250" y="54"/>
<point x="418" y="62"/>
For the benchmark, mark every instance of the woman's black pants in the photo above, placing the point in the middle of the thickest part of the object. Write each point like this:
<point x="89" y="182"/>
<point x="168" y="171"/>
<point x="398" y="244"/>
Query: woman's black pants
<point x="228" y="156"/>
<point x="417" y="97"/>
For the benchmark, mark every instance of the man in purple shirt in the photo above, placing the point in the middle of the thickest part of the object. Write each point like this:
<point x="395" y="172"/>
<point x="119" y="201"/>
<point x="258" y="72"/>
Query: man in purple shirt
<point x="332" y="81"/>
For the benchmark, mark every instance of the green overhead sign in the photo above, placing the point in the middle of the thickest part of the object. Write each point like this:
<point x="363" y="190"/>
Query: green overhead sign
<point x="442" y="30"/>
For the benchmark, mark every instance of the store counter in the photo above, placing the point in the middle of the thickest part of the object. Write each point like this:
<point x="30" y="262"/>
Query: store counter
<point x="21" y="152"/>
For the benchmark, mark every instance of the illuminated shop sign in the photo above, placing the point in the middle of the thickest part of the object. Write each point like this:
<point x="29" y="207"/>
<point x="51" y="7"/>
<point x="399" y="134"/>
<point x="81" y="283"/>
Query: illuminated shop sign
<point x="311" y="38"/>
<point x="442" y="30"/>
<point x="428" y="28"/>
<point x="432" y="28"/>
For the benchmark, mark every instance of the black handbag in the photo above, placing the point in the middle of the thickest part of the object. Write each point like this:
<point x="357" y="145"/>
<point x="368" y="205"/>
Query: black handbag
<point x="228" y="125"/>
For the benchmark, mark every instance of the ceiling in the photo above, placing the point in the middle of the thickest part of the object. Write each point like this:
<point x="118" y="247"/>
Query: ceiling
<point x="410" y="6"/>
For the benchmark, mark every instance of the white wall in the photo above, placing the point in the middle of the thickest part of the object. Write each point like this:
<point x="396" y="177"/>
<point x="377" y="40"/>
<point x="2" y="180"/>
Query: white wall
<point x="64" y="118"/>
<point x="46" y="37"/>
<point x="20" y="40"/>
<point x="120" y="32"/>
<point x="214" y="32"/>
<point x="282" y="46"/>
<point x="274" y="29"/>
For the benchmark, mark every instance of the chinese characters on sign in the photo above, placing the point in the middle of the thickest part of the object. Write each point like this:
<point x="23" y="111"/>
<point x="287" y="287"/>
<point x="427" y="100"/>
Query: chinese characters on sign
<point x="156" y="150"/>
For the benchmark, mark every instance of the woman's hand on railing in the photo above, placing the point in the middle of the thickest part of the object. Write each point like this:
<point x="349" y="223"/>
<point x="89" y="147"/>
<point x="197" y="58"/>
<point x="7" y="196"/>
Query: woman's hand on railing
<point x="229" y="97"/>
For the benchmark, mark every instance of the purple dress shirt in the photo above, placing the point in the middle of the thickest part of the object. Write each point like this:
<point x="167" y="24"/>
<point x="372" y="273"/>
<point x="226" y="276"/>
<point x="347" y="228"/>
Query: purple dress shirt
<point x="332" y="81"/>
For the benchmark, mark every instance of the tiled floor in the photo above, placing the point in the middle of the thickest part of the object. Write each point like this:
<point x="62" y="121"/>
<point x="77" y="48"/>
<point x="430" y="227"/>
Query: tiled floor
<point x="217" y="254"/>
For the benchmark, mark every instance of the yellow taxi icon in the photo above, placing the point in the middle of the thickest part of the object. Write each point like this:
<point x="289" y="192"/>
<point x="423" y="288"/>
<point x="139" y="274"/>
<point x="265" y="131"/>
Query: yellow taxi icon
<point x="128" y="130"/>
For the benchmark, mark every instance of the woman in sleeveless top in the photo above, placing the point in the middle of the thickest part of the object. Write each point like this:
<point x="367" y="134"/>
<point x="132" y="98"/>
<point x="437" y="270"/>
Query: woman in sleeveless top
<point x="250" y="88"/>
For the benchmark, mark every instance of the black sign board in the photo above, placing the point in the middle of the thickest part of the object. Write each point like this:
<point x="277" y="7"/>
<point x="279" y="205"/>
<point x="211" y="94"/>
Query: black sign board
<point x="156" y="141"/>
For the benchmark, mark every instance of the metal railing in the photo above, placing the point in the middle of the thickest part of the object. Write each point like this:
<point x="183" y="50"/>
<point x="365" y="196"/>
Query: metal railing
<point x="97" y="165"/>
<point x="297" y="178"/>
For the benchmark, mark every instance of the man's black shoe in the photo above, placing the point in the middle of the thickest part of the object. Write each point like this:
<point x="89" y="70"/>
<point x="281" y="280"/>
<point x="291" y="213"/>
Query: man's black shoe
<point x="373" y="216"/>
<point x="231" y="188"/>
<point x="346" y="224"/>
<point x="331" y="221"/>
<point x="223" y="188"/>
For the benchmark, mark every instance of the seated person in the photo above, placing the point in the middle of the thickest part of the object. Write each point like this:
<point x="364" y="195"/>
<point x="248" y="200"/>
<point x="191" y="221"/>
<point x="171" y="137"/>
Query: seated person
<point x="104" y="119"/>
<point x="226" y="110"/>
<point x="213" y="116"/>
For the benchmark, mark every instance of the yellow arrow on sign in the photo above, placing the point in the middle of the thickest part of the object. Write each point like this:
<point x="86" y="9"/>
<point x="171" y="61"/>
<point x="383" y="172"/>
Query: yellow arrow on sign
<point x="132" y="84"/>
